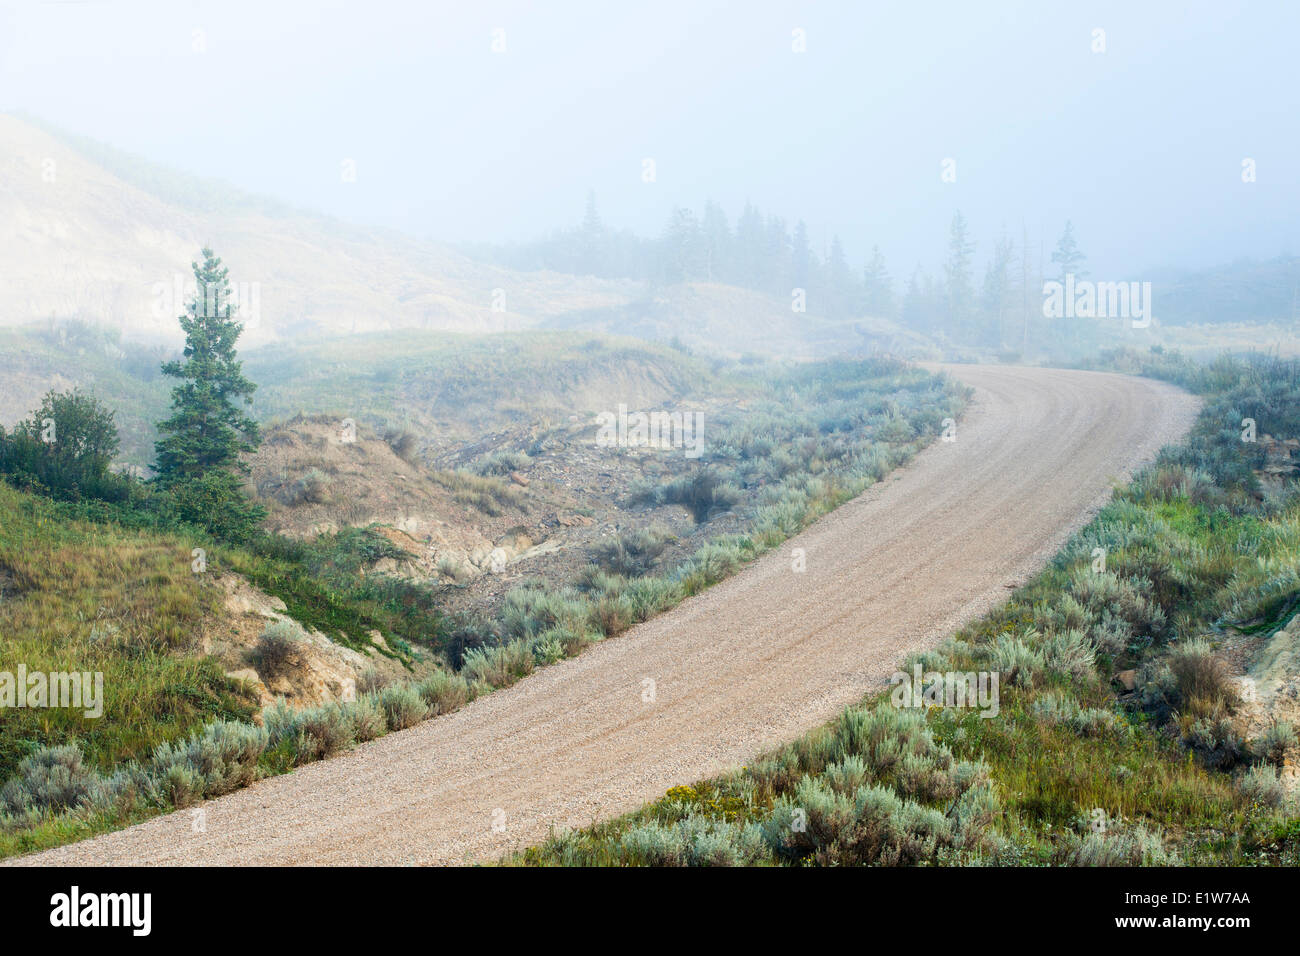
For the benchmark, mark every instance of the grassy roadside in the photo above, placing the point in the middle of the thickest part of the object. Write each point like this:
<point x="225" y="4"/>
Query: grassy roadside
<point x="822" y="434"/>
<point x="1073" y="769"/>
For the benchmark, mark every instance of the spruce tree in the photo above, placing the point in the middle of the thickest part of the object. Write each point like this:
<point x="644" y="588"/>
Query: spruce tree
<point x="1068" y="256"/>
<point x="996" y="296"/>
<point x="717" y="243"/>
<point x="198" y="457"/>
<point x="839" y="281"/>
<point x="957" y="274"/>
<point x="878" y="295"/>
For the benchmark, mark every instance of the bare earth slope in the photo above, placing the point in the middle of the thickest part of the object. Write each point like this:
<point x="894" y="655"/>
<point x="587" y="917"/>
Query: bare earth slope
<point x="752" y="662"/>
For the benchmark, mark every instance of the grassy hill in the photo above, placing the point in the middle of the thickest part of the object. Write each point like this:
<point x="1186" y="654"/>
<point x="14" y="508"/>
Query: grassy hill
<point x="78" y="596"/>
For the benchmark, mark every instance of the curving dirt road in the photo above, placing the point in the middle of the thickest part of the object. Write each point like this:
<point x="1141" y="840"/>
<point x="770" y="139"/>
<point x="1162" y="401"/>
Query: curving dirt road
<point x="750" y="663"/>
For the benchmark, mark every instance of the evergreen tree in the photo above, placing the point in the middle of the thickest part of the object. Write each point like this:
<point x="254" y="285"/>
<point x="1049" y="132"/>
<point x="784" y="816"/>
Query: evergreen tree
<point x="591" y="240"/>
<point x="801" y="257"/>
<point x="915" y="307"/>
<point x="996" y="295"/>
<point x="957" y="273"/>
<point x="877" y="287"/>
<point x="198" y="457"/>
<point x="776" y="258"/>
<point x="1027" y="291"/>
<point x="1069" y="259"/>
<point x="749" y="248"/>
<point x="716" y="233"/>
<point x="1067" y="255"/>
<point x="682" y="248"/>
<point x="839" y="281"/>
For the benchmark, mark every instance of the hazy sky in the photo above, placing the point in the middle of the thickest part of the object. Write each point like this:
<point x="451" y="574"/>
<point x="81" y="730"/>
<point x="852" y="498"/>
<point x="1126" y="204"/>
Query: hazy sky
<point x="1141" y="145"/>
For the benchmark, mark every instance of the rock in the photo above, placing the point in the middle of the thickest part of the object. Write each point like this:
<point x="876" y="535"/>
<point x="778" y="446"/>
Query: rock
<point x="1127" y="679"/>
<point x="243" y="598"/>
<point x="247" y="674"/>
<point x="519" y="479"/>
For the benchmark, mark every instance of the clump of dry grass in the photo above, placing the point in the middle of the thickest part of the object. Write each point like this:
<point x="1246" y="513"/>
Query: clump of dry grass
<point x="404" y="443"/>
<point x="488" y="494"/>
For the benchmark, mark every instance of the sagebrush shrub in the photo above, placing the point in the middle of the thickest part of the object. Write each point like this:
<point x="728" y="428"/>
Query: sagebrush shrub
<point x="1215" y="739"/>
<point x="51" y="780"/>
<point x="1203" y="682"/>
<point x="502" y="665"/>
<point x="369" y="721"/>
<point x="1130" y="846"/>
<point x="403" y="706"/>
<point x="1262" y="786"/>
<point x="502" y="462"/>
<point x="633" y="553"/>
<point x="220" y="758"/>
<point x="1070" y="654"/>
<point x="444" y="692"/>
<point x="279" y="648"/>
<point x="320" y="732"/>
<point x="1272" y="745"/>
<point x="694" y="841"/>
<point x="872" y="826"/>
<point x="1015" y="660"/>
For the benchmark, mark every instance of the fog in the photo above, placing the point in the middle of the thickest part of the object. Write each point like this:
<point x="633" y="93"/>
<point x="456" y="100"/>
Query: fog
<point x="1140" y="144"/>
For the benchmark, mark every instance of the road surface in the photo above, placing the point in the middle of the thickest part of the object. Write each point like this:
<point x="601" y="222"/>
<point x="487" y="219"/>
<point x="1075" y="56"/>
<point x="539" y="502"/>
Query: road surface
<point x="750" y="663"/>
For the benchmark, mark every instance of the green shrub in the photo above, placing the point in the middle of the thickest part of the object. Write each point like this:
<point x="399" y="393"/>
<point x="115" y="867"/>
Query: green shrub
<point x="220" y="758"/>
<point x="633" y="553"/>
<point x="403" y="706"/>
<point x="369" y="722"/>
<point x="1130" y="846"/>
<point x="1263" y="787"/>
<point x="500" y="666"/>
<point x="694" y="841"/>
<point x="1272" y="745"/>
<point x="312" y="733"/>
<point x="51" y="780"/>
<point x="1016" y="662"/>
<point x="278" y="650"/>
<point x="65" y="449"/>
<point x="501" y="462"/>
<point x="1070" y="654"/>
<point x="1215" y="739"/>
<point x="444" y="692"/>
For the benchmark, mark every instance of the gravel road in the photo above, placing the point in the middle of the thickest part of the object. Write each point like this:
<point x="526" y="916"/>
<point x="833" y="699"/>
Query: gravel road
<point x="750" y="663"/>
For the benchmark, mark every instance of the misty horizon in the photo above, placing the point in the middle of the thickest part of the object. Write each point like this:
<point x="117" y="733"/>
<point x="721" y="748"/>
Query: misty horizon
<point x="577" y="103"/>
